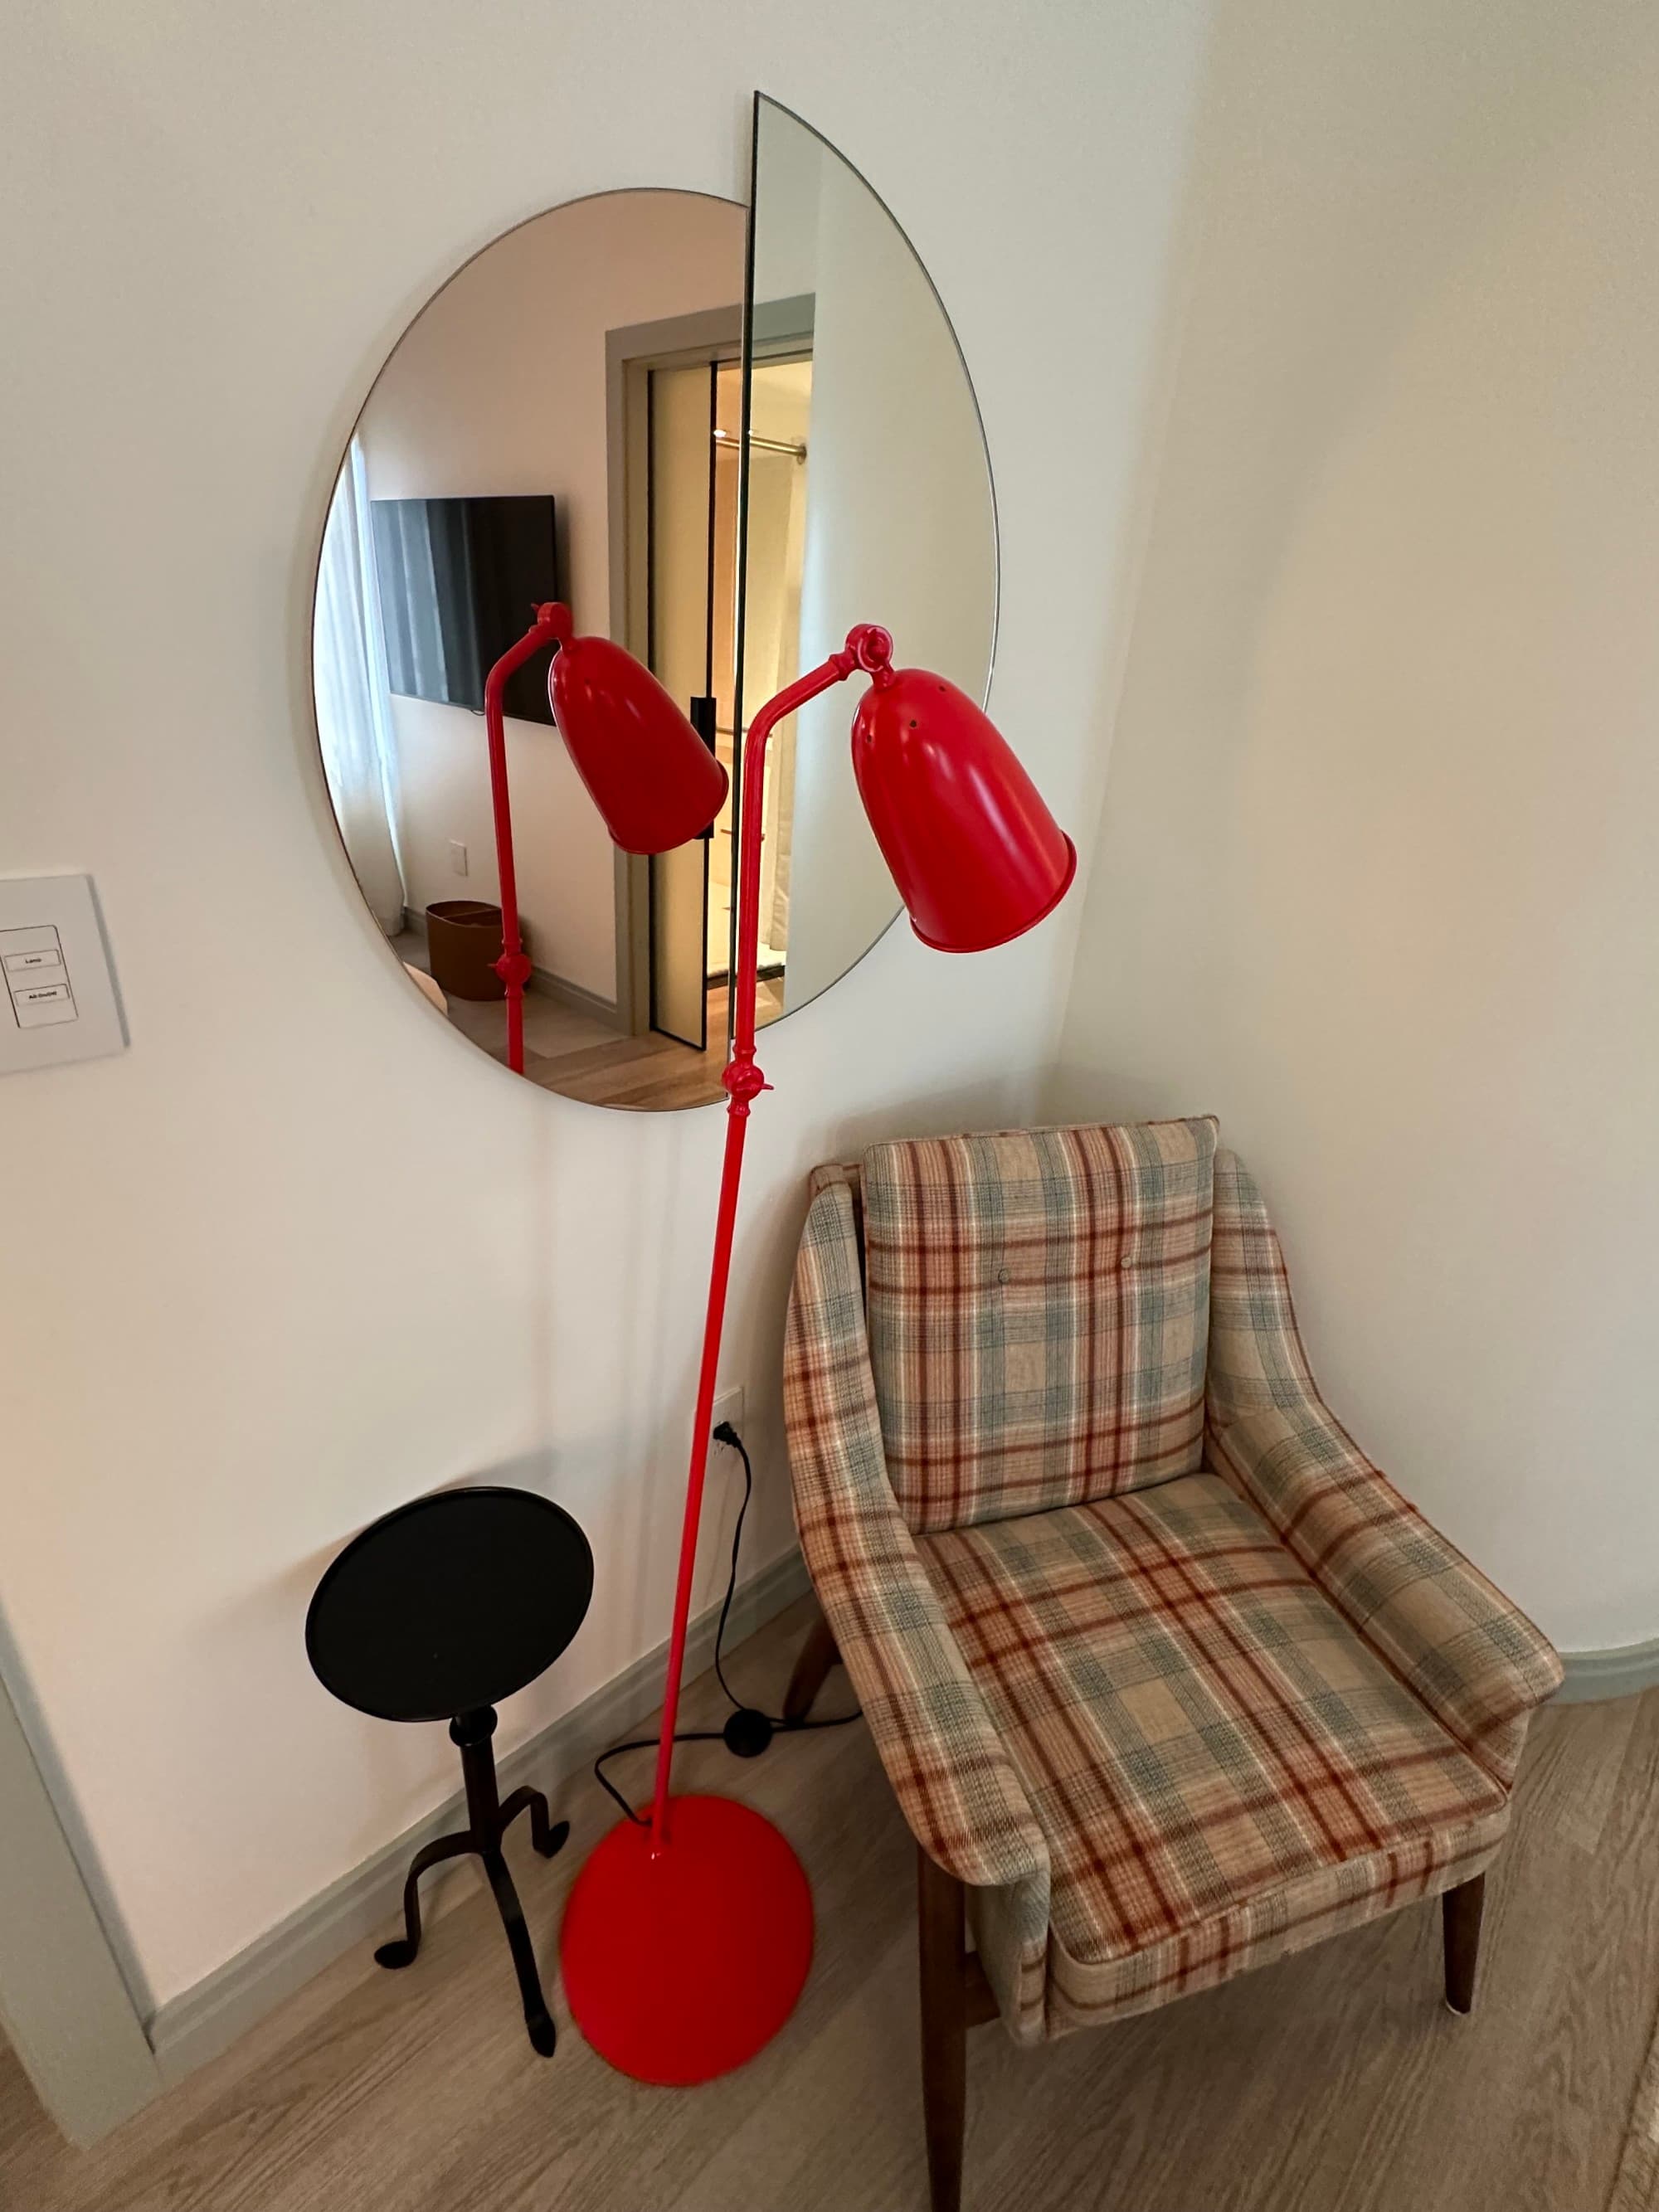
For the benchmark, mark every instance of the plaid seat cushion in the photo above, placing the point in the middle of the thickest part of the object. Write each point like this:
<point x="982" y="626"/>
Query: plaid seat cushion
<point x="1038" y="1313"/>
<point x="1222" y="1770"/>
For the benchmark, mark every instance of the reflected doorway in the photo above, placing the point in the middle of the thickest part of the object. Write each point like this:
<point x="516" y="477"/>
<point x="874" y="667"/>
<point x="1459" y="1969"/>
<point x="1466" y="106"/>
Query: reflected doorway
<point x="684" y="437"/>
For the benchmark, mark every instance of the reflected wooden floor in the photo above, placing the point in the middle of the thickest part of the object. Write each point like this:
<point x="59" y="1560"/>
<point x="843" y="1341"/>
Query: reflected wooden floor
<point x="579" y="1056"/>
<point x="1335" y="2081"/>
<point x="648" y="1073"/>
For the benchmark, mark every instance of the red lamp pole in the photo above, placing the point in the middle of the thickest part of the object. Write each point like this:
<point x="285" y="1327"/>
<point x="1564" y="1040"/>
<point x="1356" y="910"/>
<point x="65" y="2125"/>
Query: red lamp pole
<point x="687" y="1938"/>
<point x="513" y="966"/>
<point x="872" y="650"/>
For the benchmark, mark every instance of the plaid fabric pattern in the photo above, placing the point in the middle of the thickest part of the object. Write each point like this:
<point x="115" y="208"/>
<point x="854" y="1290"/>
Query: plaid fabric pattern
<point x="1476" y="1663"/>
<point x="1179" y="1725"/>
<point x="1038" y="1311"/>
<point x="953" y="1778"/>
<point x="1222" y="1771"/>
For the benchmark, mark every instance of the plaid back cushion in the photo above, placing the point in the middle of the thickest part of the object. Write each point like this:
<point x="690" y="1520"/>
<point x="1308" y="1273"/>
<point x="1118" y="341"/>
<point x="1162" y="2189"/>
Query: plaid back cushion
<point x="1039" y="1314"/>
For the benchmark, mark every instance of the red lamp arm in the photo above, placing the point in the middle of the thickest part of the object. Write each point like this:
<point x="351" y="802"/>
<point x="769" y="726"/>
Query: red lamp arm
<point x="870" y="648"/>
<point x="552" y="624"/>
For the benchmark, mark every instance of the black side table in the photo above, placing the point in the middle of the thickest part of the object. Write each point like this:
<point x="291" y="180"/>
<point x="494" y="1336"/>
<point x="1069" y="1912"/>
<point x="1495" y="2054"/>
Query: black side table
<point x="438" y="1612"/>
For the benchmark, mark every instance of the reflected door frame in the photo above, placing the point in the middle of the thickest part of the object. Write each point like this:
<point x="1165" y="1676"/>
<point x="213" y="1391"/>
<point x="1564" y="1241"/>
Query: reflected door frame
<point x="779" y="331"/>
<point x="713" y="334"/>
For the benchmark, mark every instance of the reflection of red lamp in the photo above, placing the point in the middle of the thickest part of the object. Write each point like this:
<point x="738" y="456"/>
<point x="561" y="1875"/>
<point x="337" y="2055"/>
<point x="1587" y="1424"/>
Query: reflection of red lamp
<point x="647" y="771"/>
<point x="687" y="1940"/>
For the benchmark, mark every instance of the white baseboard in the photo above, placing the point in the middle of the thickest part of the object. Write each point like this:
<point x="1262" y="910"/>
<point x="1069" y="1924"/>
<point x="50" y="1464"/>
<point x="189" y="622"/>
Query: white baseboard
<point x="1623" y="1673"/>
<point x="200" y="2022"/>
<point x="577" y="996"/>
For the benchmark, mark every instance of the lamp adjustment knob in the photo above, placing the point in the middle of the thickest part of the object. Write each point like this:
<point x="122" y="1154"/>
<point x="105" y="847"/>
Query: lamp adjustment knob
<point x="743" y="1081"/>
<point x="871" y="647"/>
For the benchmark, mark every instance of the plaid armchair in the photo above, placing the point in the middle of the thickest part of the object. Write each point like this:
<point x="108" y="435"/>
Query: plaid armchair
<point x="1169" y="1679"/>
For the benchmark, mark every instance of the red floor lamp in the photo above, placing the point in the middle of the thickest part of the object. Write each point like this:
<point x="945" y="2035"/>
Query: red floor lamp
<point x="647" y="771"/>
<point x="687" y="1938"/>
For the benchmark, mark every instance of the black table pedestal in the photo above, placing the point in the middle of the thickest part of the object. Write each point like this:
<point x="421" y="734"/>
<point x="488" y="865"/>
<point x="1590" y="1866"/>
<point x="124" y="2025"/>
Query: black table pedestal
<point x="488" y="1822"/>
<point x="437" y="1612"/>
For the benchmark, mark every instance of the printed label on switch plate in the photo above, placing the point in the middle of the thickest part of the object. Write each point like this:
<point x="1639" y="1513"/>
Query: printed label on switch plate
<point x="39" y="1010"/>
<point x="37" y="978"/>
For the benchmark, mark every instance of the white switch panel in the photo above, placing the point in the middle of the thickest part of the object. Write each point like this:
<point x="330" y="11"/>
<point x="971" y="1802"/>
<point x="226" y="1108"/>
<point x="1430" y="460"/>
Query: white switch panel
<point x="57" y="998"/>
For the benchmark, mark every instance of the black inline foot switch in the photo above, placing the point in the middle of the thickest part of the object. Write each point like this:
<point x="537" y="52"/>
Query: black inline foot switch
<point x="748" y="1733"/>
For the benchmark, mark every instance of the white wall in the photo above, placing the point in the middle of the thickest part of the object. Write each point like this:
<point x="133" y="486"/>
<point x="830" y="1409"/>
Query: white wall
<point x="567" y="886"/>
<point x="225" y="1255"/>
<point x="900" y="530"/>
<point x="1376" y="877"/>
<point x="499" y="388"/>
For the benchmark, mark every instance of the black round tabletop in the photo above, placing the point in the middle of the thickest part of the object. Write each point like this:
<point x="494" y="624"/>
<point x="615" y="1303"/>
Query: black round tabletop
<point x="452" y="1602"/>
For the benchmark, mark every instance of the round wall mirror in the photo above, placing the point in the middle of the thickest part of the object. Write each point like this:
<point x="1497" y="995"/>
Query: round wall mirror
<point x="721" y="475"/>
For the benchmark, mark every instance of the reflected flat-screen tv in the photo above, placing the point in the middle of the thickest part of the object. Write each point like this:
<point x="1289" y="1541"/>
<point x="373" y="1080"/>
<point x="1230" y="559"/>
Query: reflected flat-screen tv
<point x="459" y="581"/>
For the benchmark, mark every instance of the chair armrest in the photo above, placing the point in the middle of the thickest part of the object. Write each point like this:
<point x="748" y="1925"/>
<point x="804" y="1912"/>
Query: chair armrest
<point x="1472" y="1658"/>
<point x="1464" y="1651"/>
<point x="958" y="1787"/>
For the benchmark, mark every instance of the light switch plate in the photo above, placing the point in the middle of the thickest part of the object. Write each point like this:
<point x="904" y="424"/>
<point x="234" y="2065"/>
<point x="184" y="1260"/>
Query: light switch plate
<point x="57" y="1000"/>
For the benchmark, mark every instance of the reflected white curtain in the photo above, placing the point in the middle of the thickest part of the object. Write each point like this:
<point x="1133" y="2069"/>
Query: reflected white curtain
<point x="354" y="714"/>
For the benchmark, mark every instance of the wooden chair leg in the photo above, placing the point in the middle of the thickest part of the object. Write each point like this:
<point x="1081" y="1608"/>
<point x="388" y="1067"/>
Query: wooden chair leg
<point x="818" y="1656"/>
<point x="943" y="2028"/>
<point x="1460" y="1911"/>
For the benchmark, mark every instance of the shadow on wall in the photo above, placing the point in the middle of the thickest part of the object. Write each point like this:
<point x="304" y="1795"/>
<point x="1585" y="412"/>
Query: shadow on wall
<point x="1371" y="880"/>
<point x="1356" y="171"/>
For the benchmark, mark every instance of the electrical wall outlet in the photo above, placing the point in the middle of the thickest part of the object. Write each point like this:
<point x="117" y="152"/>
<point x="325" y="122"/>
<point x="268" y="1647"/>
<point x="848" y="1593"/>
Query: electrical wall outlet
<point x="457" y="857"/>
<point x="728" y="1407"/>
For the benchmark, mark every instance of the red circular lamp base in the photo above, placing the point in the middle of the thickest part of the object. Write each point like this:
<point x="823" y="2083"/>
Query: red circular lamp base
<point x="681" y="1966"/>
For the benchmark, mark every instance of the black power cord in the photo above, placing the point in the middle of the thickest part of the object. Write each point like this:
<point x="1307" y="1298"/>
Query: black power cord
<point x="748" y="1732"/>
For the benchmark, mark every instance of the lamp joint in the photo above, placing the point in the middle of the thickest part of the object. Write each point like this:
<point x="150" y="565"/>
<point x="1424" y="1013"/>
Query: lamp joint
<point x="743" y="1080"/>
<point x="869" y="646"/>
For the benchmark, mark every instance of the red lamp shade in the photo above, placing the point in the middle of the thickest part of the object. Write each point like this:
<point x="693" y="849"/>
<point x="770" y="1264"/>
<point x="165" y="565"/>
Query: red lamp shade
<point x="647" y="771"/>
<point x="976" y="855"/>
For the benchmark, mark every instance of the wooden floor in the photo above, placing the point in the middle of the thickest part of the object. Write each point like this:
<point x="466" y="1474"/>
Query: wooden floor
<point x="1334" y="2081"/>
<point x="648" y="1073"/>
<point x="579" y="1056"/>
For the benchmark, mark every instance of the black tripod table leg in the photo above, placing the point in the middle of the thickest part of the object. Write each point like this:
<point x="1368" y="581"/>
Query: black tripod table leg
<point x="402" y="1953"/>
<point x="543" y="2034"/>
<point x="547" y="1836"/>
